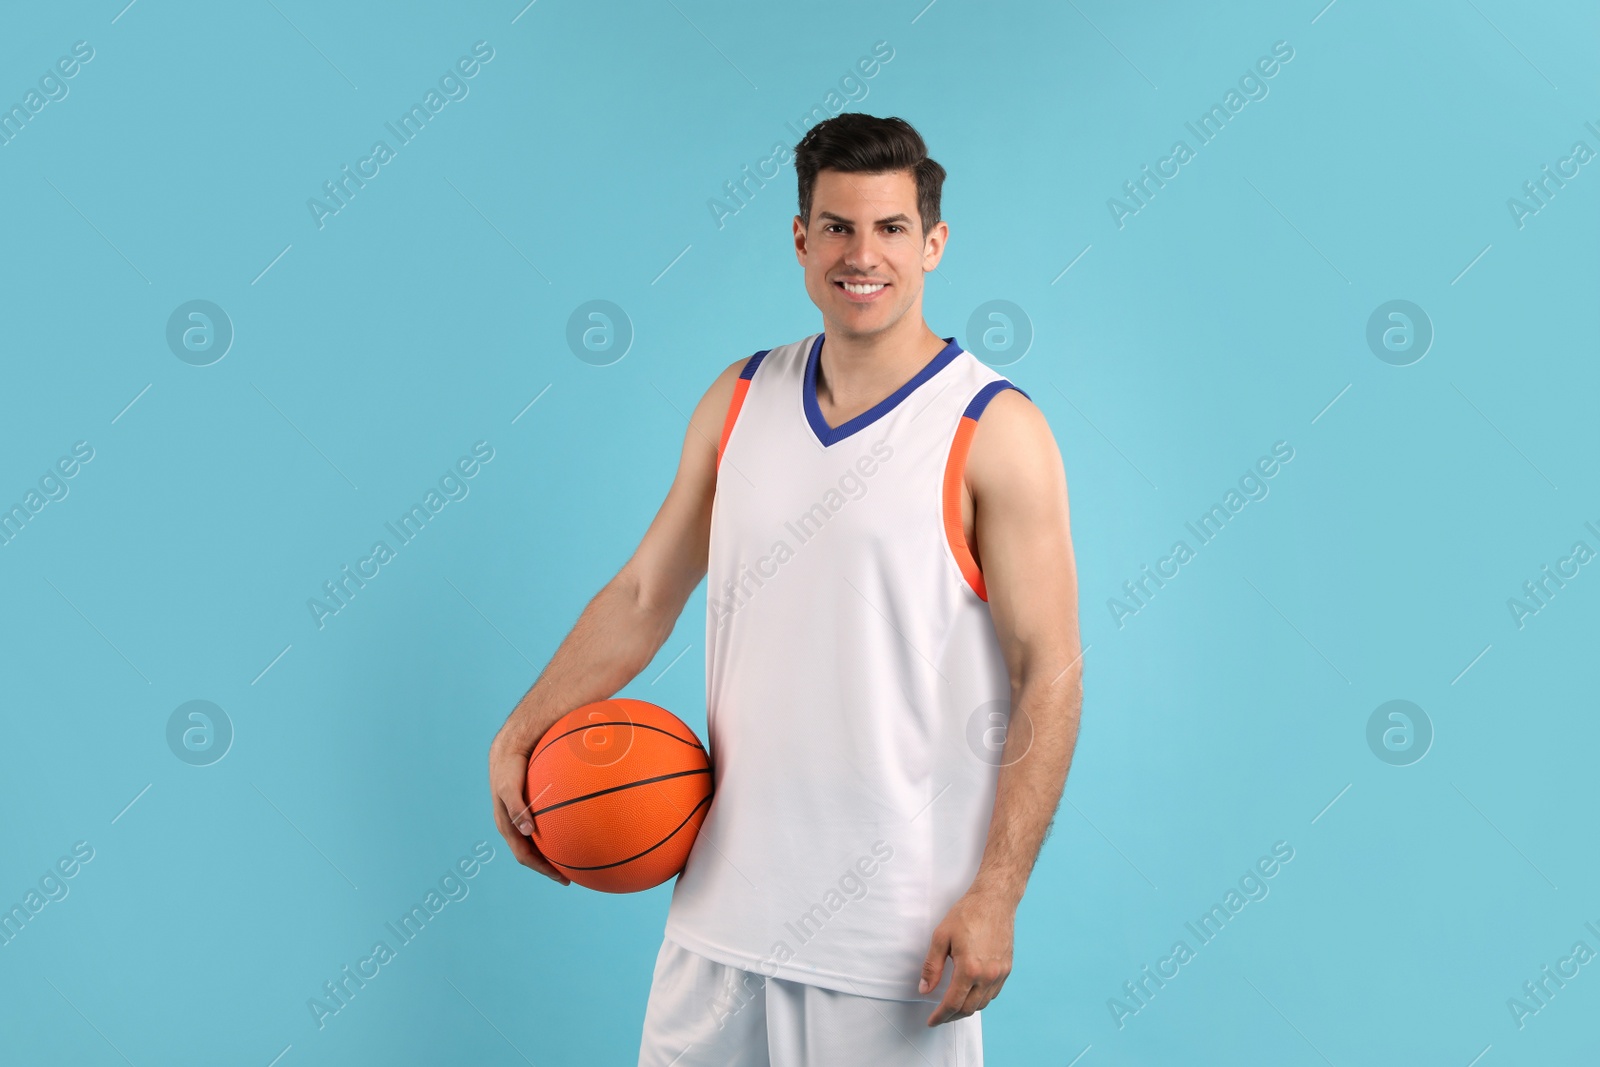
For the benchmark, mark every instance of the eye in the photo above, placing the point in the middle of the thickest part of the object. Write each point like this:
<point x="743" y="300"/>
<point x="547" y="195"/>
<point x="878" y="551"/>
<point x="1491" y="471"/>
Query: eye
<point x="896" y="227"/>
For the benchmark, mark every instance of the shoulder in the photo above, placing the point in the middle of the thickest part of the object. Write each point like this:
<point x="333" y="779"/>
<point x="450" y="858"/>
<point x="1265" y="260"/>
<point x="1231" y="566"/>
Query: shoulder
<point x="1011" y="422"/>
<point x="713" y="405"/>
<point x="1013" y="448"/>
<point x="713" y="416"/>
<point x="730" y="374"/>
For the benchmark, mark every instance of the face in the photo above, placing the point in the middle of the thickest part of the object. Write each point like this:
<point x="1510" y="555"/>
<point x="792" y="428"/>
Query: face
<point x="865" y="233"/>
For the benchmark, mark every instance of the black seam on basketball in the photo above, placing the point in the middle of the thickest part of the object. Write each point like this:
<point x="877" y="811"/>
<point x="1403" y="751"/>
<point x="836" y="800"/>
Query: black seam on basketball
<point x="619" y="788"/>
<point x="620" y="722"/>
<point x="606" y="866"/>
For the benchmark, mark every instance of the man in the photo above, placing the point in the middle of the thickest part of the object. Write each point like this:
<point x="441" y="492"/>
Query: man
<point x="884" y="523"/>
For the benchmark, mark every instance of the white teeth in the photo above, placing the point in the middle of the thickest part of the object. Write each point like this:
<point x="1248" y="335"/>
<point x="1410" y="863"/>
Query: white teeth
<point x="861" y="290"/>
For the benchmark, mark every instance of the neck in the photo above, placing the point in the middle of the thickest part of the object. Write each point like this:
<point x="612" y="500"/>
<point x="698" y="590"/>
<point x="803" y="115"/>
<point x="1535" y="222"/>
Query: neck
<point x="857" y="370"/>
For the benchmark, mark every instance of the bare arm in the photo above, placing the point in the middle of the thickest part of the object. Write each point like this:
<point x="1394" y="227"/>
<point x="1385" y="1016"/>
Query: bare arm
<point x="1024" y="539"/>
<point x="622" y="628"/>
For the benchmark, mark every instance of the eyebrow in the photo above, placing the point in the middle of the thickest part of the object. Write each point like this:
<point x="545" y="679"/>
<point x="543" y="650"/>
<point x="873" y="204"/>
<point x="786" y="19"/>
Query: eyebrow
<point x="830" y="216"/>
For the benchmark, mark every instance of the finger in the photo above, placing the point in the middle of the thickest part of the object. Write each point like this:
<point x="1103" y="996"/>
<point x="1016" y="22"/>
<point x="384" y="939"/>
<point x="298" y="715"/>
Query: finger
<point x="513" y="815"/>
<point x="508" y="789"/>
<point x="524" y="849"/>
<point x="520" y="846"/>
<point x="533" y="859"/>
<point x="933" y="963"/>
<point x="522" y="816"/>
<point x="975" y="1000"/>
<point x="994" y="991"/>
<point x="961" y="984"/>
<point x="989" y="991"/>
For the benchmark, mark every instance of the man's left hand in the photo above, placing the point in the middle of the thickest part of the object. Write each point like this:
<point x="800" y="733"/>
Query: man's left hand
<point x="976" y="934"/>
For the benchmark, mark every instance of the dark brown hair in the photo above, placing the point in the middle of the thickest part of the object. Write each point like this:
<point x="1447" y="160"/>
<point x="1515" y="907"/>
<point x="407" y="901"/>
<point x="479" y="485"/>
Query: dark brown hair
<point x="865" y="144"/>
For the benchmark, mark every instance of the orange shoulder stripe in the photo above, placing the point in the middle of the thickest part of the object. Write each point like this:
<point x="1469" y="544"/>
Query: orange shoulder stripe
<point x="954" y="468"/>
<point x="740" y="388"/>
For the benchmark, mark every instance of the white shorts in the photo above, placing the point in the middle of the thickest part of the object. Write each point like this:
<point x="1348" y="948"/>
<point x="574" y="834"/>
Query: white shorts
<point x="705" y="1014"/>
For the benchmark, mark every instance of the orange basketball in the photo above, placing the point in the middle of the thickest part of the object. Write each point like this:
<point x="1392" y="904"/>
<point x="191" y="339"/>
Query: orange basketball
<point x="617" y="790"/>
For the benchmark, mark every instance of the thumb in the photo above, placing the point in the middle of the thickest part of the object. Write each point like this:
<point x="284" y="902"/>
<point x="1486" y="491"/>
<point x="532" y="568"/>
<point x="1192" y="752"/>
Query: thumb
<point x="933" y="964"/>
<point x="518" y="809"/>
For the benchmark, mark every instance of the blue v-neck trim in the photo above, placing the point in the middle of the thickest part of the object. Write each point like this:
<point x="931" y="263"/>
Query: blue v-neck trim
<point x="828" y="435"/>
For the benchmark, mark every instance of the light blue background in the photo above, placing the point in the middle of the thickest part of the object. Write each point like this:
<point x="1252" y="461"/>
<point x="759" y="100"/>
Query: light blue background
<point x="427" y="314"/>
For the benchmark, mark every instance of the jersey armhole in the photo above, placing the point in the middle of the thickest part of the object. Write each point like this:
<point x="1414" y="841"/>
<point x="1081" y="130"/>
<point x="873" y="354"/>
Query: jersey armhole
<point x="740" y="387"/>
<point x="955" y="467"/>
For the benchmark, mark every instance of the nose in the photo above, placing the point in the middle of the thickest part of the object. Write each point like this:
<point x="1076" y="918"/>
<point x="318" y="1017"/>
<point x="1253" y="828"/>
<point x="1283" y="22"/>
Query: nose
<point x="862" y="253"/>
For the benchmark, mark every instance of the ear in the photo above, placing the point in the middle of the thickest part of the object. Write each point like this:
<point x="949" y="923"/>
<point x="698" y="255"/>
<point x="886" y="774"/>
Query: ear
<point x="933" y="245"/>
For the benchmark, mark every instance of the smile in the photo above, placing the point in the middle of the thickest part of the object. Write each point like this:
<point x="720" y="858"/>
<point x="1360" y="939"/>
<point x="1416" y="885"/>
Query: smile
<point x="862" y="289"/>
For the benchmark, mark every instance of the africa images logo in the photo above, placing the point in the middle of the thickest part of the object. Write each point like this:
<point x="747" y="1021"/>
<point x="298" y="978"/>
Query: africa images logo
<point x="1206" y="128"/>
<point x="405" y="129"/>
<point x="853" y="884"/>
<point x="453" y="886"/>
<point x="453" y="486"/>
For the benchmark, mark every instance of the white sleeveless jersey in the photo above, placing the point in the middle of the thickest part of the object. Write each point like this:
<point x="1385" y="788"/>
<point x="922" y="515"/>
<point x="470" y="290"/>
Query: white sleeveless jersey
<point x="856" y="691"/>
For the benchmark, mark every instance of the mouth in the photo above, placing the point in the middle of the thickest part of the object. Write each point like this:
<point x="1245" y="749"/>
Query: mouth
<point x="862" y="292"/>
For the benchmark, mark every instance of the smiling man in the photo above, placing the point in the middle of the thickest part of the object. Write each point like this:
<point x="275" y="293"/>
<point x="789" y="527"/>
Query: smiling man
<point x="892" y="665"/>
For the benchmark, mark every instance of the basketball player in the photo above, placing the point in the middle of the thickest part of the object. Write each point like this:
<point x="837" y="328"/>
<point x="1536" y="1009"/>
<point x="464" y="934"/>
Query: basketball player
<point x="892" y="665"/>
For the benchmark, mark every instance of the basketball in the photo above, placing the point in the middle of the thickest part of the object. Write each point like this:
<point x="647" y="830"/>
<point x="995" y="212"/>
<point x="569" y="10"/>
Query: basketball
<point x="617" y="790"/>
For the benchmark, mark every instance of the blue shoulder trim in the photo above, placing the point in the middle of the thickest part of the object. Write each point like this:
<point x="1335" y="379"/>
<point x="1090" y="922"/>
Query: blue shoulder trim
<point x="752" y="363"/>
<point x="986" y="394"/>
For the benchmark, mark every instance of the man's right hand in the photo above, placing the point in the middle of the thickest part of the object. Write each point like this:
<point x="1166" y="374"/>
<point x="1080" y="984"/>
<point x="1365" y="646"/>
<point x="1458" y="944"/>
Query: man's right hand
<point x="508" y="778"/>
